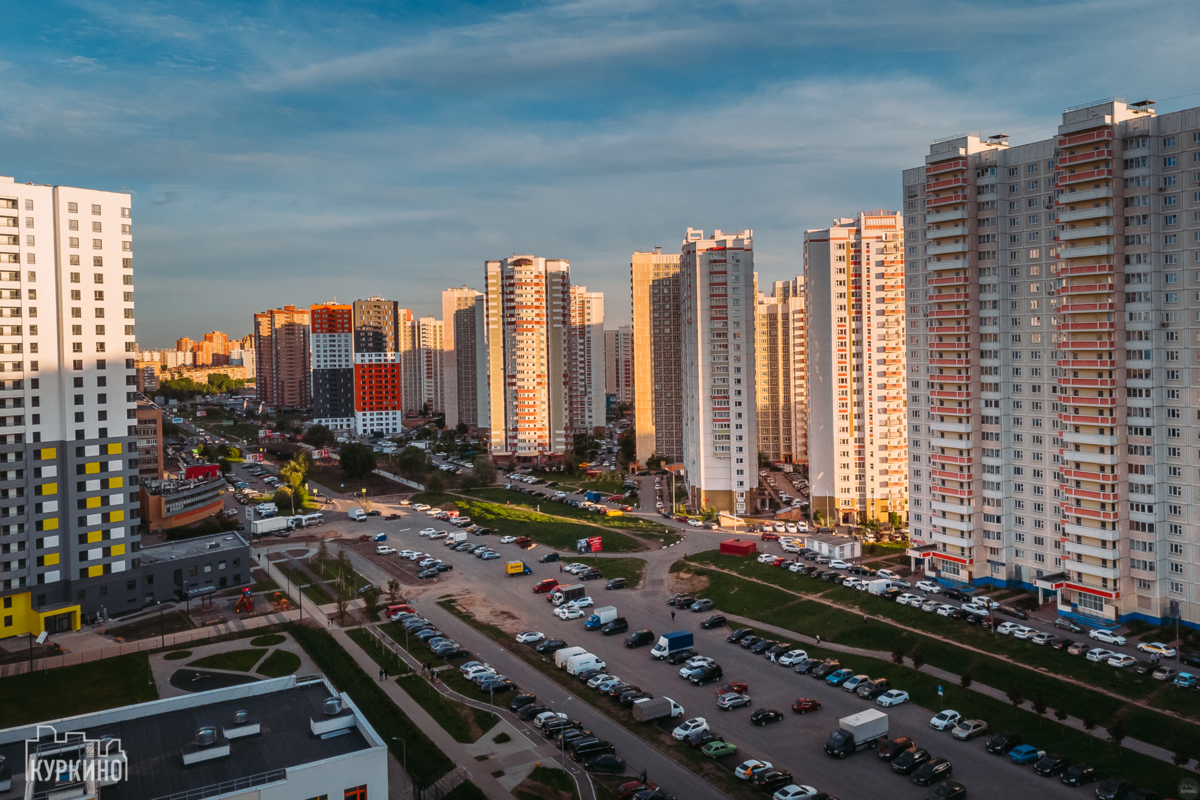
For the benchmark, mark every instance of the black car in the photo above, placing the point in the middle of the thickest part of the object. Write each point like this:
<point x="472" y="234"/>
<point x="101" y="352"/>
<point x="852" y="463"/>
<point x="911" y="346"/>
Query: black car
<point x="590" y="575"/>
<point x="1013" y="611"/>
<point x="550" y="645"/>
<point x="497" y="686"/>
<point x="621" y="688"/>
<point x="739" y="634"/>
<point x="806" y="665"/>
<point x="1143" y="667"/>
<point x="1050" y="765"/>
<point x="532" y="710"/>
<point x="639" y="638"/>
<point x="932" y="771"/>
<point x="772" y="780"/>
<point x="432" y="572"/>
<point x="947" y="790"/>
<point x="715" y="621"/>
<point x="762" y="646"/>
<point x="1002" y="743"/>
<point x="520" y="701"/>
<point x="549" y="557"/>
<point x="701" y="738"/>
<point x="618" y="625"/>
<point x="1078" y="774"/>
<point x="1114" y="789"/>
<point x="955" y="594"/>
<point x="684" y="601"/>
<point x="905" y="763"/>
<point x="972" y="619"/>
<point x="675" y="598"/>
<point x="778" y="649"/>
<point x="563" y="738"/>
<point x="374" y="513"/>
<point x="608" y="763"/>
<point x="588" y="674"/>
<point x="1062" y="644"/>
<point x="556" y="725"/>
<point x="826" y="667"/>
<point x="616" y="583"/>
<point x="817" y="573"/>
<point x="765" y="716"/>
<point x="680" y="656"/>
<point x="451" y="651"/>
<point x="1190" y="659"/>
<point x="750" y="641"/>
<point x="709" y="674"/>
<point x="443" y="567"/>
<point x="627" y="699"/>
<point x="587" y="749"/>
<point x="894" y="747"/>
<point x="957" y="613"/>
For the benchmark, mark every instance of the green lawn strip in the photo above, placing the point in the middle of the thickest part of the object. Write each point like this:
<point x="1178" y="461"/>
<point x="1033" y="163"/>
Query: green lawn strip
<point x="466" y="791"/>
<point x="313" y="591"/>
<point x="79" y="689"/>
<point x="553" y="779"/>
<point x="743" y="598"/>
<point x="270" y="640"/>
<point x="178" y="655"/>
<point x="520" y="521"/>
<point x="683" y="754"/>
<point x="331" y="572"/>
<point x="264" y="584"/>
<point x="380" y="654"/>
<point x="425" y="761"/>
<point x="234" y="660"/>
<point x="459" y="719"/>
<point x="550" y="507"/>
<point x="630" y="569"/>
<point x="416" y="648"/>
<point x="279" y="663"/>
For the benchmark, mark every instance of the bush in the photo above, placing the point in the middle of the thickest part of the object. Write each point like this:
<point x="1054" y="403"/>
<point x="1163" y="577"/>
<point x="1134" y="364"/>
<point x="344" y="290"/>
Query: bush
<point x="357" y="460"/>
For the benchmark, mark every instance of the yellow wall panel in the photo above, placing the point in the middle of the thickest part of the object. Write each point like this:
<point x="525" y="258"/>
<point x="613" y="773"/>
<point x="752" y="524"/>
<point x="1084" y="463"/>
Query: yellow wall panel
<point x="50" y="560"/>
<point x="114" y="448"/>
<point x="94" y="536"/>
<point x="93" y="502"/>
<point x="118" y="550"/>
<point x="96" y="571"/>
<point x="47" y="453"/>
<point x="50" y="524"/>
<point x="92" y="469"/>
<point x="116" y="516"/>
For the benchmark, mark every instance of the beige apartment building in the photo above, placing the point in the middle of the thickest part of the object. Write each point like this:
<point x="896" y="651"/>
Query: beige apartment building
<point x="854" y="296"/>
<point x="459" y="380"/>
<point x="781" y="374"/>
<point x="657" y="346"/>
<point x="585" y="363"/>
<point x="618" y="363"/>
<point x="283" y="364"/>
<point x="1053" y="294"/>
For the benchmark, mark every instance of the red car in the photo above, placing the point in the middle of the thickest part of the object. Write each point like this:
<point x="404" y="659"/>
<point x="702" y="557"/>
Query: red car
<point x="733" y="688"/>
<point x="987" y="622"/>
<point x="803" y="705"/>
<point x="545" y="585"/>
<point x="770" y="537"/>
<point x="627" y="790"/>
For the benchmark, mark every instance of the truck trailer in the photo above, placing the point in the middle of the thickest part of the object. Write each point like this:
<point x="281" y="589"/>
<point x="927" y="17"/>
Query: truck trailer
<point x="857" y="732"/>
<point x="671" y="642"/>
<point x="564" y="594"/>
<point x="656" y="708"/>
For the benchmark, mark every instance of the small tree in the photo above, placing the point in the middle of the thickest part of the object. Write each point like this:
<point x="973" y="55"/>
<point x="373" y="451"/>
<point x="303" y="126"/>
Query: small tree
<point x="1117" y="732"/>
<point x="484" y="471"/>
<point x="898" y="654"/>
<point x="462" y="428"/>
<point x="322" y="554"/>
<point x="1089" y="721"/>
<point x="343" y="601"/>
<point x="393" y="591"/>
<point x="1039" y="704"/>
<point x="1014" y="695"/>
<point x="319" y="436"/>
<point x="1182" y="754"/>
<point x="1060" y="713"/>
<point x="225" y="466"/>
<point x="283" y="498"/>
<point x="965" y="680"/>
<point x="435" y="483"/>
<point x="918" y="660"/>
<point x="343" y="569"/>
<point x="358" y="461"/>
<point x="371" y="598"/>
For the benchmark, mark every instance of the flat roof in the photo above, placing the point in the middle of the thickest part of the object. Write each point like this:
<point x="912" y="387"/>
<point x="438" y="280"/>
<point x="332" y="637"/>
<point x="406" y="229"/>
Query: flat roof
<point x="155" y="736"/>
<point x="213" y="544"/>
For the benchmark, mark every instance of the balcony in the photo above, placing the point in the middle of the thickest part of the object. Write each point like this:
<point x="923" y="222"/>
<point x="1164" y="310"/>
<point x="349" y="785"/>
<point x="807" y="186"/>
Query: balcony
<point x="949" y="345"/>
<point x="1066" y="179"/>
<point x="943" y="249"/>
<point x="953" y="524"/>
<point x="1070" y="437"/>
<point x="950" y="379"/>
<point x="945" y="216"/>
<point x="1091" y="400"/>
<point x="1069" y="198"/>
<point x="949" y="395"/>
<point x="1089" y="494"/>
<point x="1093" y="533"/>
<point x="946" y="183"/>
<point x="946" y="166"/>
<point x="1081" y="513"/>
<point x="1088" y="251"/>
<point x="1082" y="457"/>
<point x="1094" y="232"/>
<point x="1105" y="135"/>
<point x="1090" y="569"/>
<point x="1089" y="383"/>
<point x="965" y="493"/>
<point x="949" y="329"/>
<point x="943" y="233"/>
<point x="953" y="411"/>
<point x="1087" y="550"/>
<point x="1085" y="288"/>
<point x="1088" y="344"/>
<point x="934" y="202"/>
<point x="951" y="508"/>
<point x="944" y="459"/>
<point x="1087" y="308"/>
<point x="947" y="263"/>
<point x="1080" y="419"/>
<point x="1085" y="269"/>
<point x="1085" y="213"/>
<point x="949" y="313"/>
<point x="1097" y="325"/>
<point x="943" y="475"/>
<point x="951" y="427"/>
<point x="1083" y="158"/>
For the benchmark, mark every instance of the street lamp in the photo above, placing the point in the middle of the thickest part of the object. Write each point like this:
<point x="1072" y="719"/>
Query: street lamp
<point x="404" y="756"/>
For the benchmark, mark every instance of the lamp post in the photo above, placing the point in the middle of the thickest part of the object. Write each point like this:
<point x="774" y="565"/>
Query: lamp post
<point x="404" y="756"/>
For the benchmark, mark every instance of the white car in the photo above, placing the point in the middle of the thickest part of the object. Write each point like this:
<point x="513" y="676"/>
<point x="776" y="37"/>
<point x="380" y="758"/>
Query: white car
<point x="693" y="664"/>
<point x="766" y="558"/>
<point x="794" y="792"/>
<point x="790" y="527"/>
<point x="1105" y="636"/>
<point x="601" y="678"/>
<point x="852" y="583"/>
<point x="1024" y="633"/>
<point x="475" y="672"/>
<point x="1157" y="648"/>
<point x="802" y="527"/>
<point x="384" y="550"/>
<point x="575" y="568"/>
<point x="795" y="566"/>
<point x="748" y="769"/>
<point x="695" y="523"/>
<point x="439" y="535"/>
<point x="971" y="608"/>
<point x="582" y="602"/>
<point x="893" y="698"/>
<point x="945" y="720"/>
<point x="909" y="600"/>
<point x="838" y="563"/>
<point x="525" y="637"/>
<point x="728" y="701"/>
<point x="429" y="531"/>
<point x="693" y="725"/>
<point x="507" y="539"/>
<point x="1099" y="655"/>
<point x="410" y="554"/>
<point x="420" y="507"/>
<point x="1121" y="661"/>
<point x="545" y="716"/>
<point x="929" y="586"/>
<point x="790" y="547"/>
<point x="888" y="574"/>
<point x="1043" y="638"/>
<point x="426" y="563"/>
<point x="945" y="610"/>
<point x="929" y="605"/>
<point x="1007" y="627"/>
<point x="792" y="657"/>
<point x="568" y="612"/>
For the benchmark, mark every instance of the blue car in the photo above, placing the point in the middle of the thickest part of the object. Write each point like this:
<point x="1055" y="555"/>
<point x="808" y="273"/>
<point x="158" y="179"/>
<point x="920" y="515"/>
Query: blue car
<point x="840" y="677"/>
<point x="593" y="623"/>
<point x="1186" y="680"/>
<point x="1025" y="754"/>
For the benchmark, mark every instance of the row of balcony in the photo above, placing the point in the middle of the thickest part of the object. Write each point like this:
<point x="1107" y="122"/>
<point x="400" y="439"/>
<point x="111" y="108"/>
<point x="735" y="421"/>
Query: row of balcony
<point x="1093" y="232"/>
<point x="1099" y="212"/>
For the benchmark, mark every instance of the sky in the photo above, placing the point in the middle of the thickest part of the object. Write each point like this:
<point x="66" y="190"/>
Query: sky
<point x="298" y="152"/>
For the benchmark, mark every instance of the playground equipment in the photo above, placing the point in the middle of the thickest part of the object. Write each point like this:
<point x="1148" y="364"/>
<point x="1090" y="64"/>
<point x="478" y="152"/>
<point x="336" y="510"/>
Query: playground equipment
<point x="245" y="603"/>
<point x="281" y="603"/>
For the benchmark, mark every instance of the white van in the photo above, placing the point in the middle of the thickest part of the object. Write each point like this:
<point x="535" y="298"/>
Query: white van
<point x="583" y="661"/>
<point x="561" y="656"/>
<point x="358" y="515"/>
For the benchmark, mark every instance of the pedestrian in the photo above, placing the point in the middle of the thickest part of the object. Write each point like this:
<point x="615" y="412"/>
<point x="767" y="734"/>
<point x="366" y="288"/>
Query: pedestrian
<point x="864" y="617"/>
<point x="672" y="616"/>
<point x="381" y="673"/>
<point x="772" y="658"/>
<point x="386" y="676"/>
<point x="560" y="567"/>
<point x="818" y="638"/>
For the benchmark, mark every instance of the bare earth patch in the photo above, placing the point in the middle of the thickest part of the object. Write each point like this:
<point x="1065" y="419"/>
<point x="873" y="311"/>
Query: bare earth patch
<point x="484" y="610"/>
<point x="686" y="582"/>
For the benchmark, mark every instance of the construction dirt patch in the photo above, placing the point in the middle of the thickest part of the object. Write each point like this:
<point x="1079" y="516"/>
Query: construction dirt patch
<point x="484" y="610"/>
<point x="686" y="582"/>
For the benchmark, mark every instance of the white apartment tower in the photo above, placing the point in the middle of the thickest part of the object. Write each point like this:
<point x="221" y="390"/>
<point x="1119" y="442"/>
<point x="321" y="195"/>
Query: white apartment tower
<point x="68" y="451"/>
<point x="458" y="356"/>
<point x="429" y="331"/>
<point x="618" y="363"/>
<point x="1067" y="272"/>
<point x="585" y="363"/>
<point x="528" y="316"/>
<point x="720" y="438"/>
<point x="854" y="296"/>
<point x="657" y="346"/>
<point x="781" y="374"/>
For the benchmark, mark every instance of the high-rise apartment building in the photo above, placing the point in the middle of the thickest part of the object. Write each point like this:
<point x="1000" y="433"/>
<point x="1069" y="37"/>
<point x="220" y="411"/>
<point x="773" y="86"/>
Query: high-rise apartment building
<point x="150" y="464"/>
<point x="333" y="339"/>
<point x="854" y="300"/>
<point x="378" y="380"/>
<point x="657" y="349"/>
<point x="68" y="506"/>
<point x="283" y="365"/>
<point x="1055" y="301"/>
<point x="412" y="372"/>
<point x="720" y="436"/>
<point x="430" y="357"/>
<point x="618" y="363"/>
<point x="459" y="368"/>
<point x="585" y="363"/>
<point x="528" y="316"/>
<point x="377" y="325"/>
<point x="781" y="374"/>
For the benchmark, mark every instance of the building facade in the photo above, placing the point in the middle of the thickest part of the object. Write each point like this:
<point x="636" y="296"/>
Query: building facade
<point x="585" y="363"/>
<point x="781" y="374"/>
<point x="283" y="365"/>
<point x="149" y="442"/>
<point x="720" y="436"/>
<point x="854" y="299"/>
<point x="430" y="359"/>
<point x="333" y="340"/>
<point x="657" y="349"/>
<point x="618" y="364"/>
<point x="69" y="536"/>
<point x="528" y="316"/>
<point x="459" y="380"/>
<point x="1068" y="287"/>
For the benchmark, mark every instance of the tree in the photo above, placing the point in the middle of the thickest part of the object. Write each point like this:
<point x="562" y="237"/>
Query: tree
<point x="412" y="462"/>
<point x="1014" y="695"/>
<point x="1039" y="704"/>
<point x="818" y="517"/>
<point x="393" y="591"/>
<point x="225" y="466"/>
<point x="918" y="660"/>
<point x="343" y="600"/>
<point x="322" y="555"/>
<point x="764" y="461"/>
<point x="898" y="654"/>
<point x="319" y="436"/>
<point x="1089" y="721"/>
<point x="435" y="483"/>
<point x="232" y="452"/>
<point x="965" y="680"/>
<point x="570" y="463"/>
<point x="484" y="471"/>
<point x="893" y="519"/>
<point x="462" y="428"/>
<point x="371" y="598"/>
<point x="1117" y="732"/>
<point x="628" y="449"/>
<point x="283" y="497"/>
<point x="655" y="461"/>
<point x="357" y="460"/>
<point x="1060" y="713"/>
<point x="295" y="472"/>
<point x="1182" y="754"/>
<point x="343" y="569"/>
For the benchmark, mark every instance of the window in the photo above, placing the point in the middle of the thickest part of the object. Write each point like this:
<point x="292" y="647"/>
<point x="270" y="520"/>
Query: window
<point x="357" y="793"/>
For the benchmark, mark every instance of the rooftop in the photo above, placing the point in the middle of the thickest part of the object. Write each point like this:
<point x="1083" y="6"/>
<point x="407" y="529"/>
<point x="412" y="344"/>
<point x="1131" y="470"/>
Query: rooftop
<point x="216" y="543"/>
<point x="285" y="726"/>
<point x="169" y="487"/>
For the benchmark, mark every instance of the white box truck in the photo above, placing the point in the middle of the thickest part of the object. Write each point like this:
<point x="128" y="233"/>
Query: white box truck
<point x="857" y="732"/>
<point x="656" y="708"/>
<point x="358" y="515"/>
<point x="561" y="656"/>
<point x="456" y="538"/>
<point x="600" y="617"/>
<point x="583" y="661"/>
<point x="878" y="587"/>
<point x="263" y="527"/>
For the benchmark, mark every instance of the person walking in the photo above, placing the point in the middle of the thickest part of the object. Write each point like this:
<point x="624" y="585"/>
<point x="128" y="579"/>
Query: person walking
<point x="818" y="638"/>
<point x="672" y="616"/>
<point x="772" y="658"/>
<point x="381" y="673"/>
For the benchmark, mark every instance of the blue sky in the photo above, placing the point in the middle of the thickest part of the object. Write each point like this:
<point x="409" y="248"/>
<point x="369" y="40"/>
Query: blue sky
<point x="293" y="152"/>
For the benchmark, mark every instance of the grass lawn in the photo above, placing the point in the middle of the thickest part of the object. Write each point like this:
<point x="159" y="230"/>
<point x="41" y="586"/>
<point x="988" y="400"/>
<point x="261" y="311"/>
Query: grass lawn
<point x="270" y="640"/>
<point x="178" y="655"/>
<point x="313" y="591"/>
<point x="466" y="791"/>
<point x="776" y="607"/>
<point x="235" y="660"/>
<point x="559" y="784"/>
<point x="331" y="571"/>
<point x="416" y="648"/>
<point x="279" y="663"/>
<point x="465" y="723"/>
<point x="630" y="569"/>
<point x="381" y="655"/>
<point x="79" y="689"/>
<point x="554" y="532"/>
<point x="151" y="626"/>
<point x="262" y="583"/>
<point x="333" y="479"/>
<point x="635" y="525"/>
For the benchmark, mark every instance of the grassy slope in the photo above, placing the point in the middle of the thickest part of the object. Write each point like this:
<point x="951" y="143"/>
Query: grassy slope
<point x="80" y="689"/>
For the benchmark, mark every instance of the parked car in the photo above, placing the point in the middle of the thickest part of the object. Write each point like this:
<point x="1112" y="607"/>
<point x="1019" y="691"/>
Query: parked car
<point x="969" y="729"/>
<point x="1067" y="625"/>
<point x="1025" y="754"/>
<point x="1002" y="743"/>
<point x="893" y="698"/>
<point x="765" y="716"/>
<point x="1106" y="636"/>
<point x="806" y="705"/>
<point x="904" y="763"/>
<point x="933" y="770"/>
<point x="945" y="719"/>
<point x="1050" y="765"/>
<point x="894" y="747"/>
<point x="715" y="621"/>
